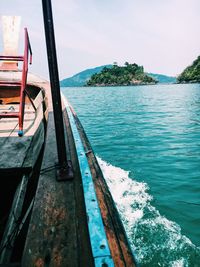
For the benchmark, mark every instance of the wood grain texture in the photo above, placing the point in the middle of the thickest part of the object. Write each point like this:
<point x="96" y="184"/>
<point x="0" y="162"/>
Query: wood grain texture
<point x="121" y="251"/>
<point x="54" y="238"/>
<point x="22" y="152"/>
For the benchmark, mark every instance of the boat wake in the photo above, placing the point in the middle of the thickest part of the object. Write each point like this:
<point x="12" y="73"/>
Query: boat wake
<point x="156" y="241"/>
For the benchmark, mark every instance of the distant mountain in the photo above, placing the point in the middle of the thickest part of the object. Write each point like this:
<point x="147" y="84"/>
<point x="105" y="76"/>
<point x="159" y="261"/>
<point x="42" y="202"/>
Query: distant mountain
<point x="81" y="78"/>
<point x="191" y="74"/>
<point x="163" y="78"/>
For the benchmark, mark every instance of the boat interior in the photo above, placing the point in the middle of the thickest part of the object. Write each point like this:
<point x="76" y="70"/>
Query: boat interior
<point x="45" y="220"/>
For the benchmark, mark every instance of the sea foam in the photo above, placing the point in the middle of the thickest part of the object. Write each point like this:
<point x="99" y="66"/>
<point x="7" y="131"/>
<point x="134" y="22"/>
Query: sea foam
<point x="155" y="240"/>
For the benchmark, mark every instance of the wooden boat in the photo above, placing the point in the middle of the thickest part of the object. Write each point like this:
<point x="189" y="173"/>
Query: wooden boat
<point x="47" y="219"/>
<point x="23" y="120"/>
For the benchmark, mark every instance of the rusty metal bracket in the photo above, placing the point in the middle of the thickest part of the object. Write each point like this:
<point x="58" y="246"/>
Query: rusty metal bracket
<point x="64" y="172"/>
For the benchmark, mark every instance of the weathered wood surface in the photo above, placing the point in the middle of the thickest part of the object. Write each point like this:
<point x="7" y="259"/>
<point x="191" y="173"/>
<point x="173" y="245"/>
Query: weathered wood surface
<point x="9" y="126"/>
<point x="84" y="247"/>
<point x="58" y="232"/>
<point x="22" y="152"/>
<point x="121" y="251"/>
<point x="57" y="235"/>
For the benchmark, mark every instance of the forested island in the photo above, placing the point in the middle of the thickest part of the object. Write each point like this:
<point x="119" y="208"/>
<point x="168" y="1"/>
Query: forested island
<point x="191" y="74"/>
<point x="80" y="79"/>
<point x="129" y="74"/>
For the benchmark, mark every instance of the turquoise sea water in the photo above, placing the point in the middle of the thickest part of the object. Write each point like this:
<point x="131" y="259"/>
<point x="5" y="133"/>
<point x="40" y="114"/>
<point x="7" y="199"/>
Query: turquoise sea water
<point x="147" y="140"/>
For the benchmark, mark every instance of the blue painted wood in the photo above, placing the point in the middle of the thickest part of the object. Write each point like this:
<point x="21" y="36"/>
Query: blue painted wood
<point x="98" y="239"/>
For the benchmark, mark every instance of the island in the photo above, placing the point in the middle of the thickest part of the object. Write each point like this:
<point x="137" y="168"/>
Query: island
<point x="191" y="74"/>
<point x="80" y="79"/>
<point x="129" y="74"/>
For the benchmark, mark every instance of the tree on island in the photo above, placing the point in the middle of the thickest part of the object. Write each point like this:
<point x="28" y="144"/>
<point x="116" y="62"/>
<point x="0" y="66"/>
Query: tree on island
<point x="191" y="74"/>
<point x="129" y="74"/>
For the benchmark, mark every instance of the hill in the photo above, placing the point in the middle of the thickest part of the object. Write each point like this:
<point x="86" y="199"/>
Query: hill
<point x="191" y="74"/>
<point x="81" y="78"/>
<point x="163" y="78"/>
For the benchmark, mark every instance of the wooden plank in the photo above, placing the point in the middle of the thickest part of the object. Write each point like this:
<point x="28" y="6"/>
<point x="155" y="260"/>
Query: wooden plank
<point x="98" y="240"/>
<point x="10" y="147"/>
<point x="52" y="235"/>
<point x="9" y="126"/>
<point x="27" y="147"/>
<point x="83" y="241"/>
<point x="36" y="145"/>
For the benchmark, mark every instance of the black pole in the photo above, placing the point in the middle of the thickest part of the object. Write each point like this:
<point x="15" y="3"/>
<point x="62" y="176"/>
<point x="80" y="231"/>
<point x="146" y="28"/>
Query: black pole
<point x="64" y="171"/>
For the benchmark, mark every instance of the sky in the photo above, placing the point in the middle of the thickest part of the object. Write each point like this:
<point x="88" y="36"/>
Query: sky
<point x="161" y="35"/>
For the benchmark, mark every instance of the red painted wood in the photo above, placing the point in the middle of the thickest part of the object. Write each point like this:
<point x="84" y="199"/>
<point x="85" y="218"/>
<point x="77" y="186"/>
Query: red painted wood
<point x="22" y="84"/>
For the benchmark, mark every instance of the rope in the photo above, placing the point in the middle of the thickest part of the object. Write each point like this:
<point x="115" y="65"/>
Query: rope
<point x="47" y="169"/>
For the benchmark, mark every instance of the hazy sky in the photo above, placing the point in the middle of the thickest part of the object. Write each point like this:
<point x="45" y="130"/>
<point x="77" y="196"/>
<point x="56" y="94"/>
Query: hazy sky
<point x="161" y="35"/>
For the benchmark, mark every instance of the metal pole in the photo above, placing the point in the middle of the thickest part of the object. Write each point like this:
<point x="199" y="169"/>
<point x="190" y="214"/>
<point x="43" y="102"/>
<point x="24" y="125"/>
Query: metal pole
<point x="64" y="171"/>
